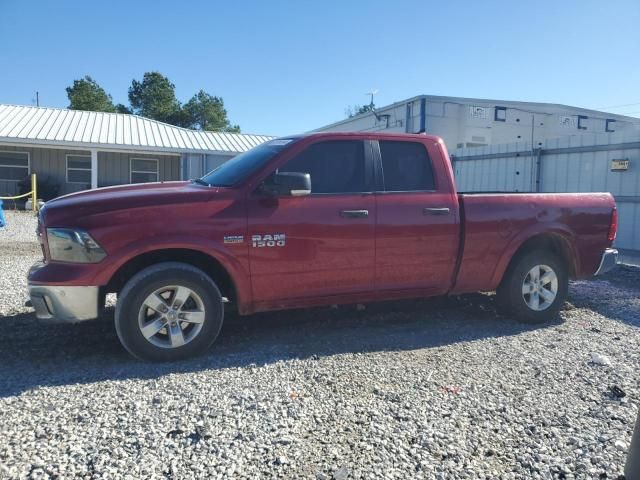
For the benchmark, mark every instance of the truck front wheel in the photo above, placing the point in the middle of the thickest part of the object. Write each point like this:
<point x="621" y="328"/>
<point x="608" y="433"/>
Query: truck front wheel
<point x="534" y="287"/>
<point x="169" y="311"/>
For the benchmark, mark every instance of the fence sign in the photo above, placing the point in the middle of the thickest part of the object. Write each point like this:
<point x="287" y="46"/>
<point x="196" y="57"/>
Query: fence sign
<point x="620" y="165"/>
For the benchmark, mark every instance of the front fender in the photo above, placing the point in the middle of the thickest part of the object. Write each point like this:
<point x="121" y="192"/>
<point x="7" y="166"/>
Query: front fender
<point x="235" y="263"/>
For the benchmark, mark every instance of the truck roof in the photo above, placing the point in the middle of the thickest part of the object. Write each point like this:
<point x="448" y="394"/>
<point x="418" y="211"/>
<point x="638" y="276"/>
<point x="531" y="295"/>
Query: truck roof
<point x="370" y="135"/>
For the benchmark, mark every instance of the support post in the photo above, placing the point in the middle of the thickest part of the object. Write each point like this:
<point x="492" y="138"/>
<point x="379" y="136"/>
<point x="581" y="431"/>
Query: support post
<point x="94" y="169"/>
<point x="538" y="167"/>
<point x="632" y="469"/>
<point x="34" y="193"/>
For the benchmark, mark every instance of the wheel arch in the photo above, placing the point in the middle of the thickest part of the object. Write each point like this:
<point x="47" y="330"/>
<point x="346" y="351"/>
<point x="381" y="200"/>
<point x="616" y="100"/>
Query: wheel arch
<point x="211" y="265"/>
<point x="558" y="242"/>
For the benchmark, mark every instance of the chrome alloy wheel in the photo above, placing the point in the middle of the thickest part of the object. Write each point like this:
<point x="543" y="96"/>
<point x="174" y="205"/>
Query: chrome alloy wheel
<point x="171" y="316"/>
<point x="540" y="287"/>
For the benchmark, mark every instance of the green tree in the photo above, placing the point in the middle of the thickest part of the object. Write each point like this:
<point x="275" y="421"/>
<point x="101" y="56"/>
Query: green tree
<point x="86" y="94"/>
<point x="155" y="97"/>
<point x="206" y="112"/>
<point x="180" y="118"/>
<point x="354" y="110"/>
<point x="120" y="108"/>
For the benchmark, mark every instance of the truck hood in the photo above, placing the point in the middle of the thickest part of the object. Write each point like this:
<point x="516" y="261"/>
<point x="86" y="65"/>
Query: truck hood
<point x="63" y="210"/>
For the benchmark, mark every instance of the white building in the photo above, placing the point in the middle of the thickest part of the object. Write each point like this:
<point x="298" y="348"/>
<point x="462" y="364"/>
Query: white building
<point x="473" y="122"/>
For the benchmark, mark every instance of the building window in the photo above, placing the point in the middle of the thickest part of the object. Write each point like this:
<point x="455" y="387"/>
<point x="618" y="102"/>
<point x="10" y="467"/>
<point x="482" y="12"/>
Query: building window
<point x="582" y="122"/>
<point x="143" y="170"/>
<point x="79" y="169"/>
<point x="14" y="166"/>
<point x="500" y="114"/>
<point x="609" y="125"/>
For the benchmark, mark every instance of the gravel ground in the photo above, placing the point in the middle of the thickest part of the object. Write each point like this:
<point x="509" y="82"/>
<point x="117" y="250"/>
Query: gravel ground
<point x="19" y="249"/>
<point x="443" y="388"/>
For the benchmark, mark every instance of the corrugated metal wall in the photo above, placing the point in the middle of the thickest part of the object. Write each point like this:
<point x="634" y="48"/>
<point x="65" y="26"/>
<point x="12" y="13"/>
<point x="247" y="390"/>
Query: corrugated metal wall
<point x="195" y="165"/>
<point x="495" y="168"/>
<point x="113" y="168"/>
<point x="569" y="164"/>
<point x="46" y="163"/>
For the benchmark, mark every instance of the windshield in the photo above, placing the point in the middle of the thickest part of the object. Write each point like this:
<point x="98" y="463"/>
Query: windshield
<point x="240" y="167"/>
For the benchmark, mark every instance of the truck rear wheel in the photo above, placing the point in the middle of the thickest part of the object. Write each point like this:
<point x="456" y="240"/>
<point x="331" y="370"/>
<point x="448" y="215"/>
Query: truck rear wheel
<point x="534" y="287"/>
<point x="169" y="311"/>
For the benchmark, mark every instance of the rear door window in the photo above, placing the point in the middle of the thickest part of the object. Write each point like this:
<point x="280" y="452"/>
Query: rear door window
<point x="406" y="167"/>
<point x="335" y="166"/>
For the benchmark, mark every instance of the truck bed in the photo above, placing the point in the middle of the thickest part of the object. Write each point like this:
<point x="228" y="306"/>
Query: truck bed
<point x="495" y="225"/>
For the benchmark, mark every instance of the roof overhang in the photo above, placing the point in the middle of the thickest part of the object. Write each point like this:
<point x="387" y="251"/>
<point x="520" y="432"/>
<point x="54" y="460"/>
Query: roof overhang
<point x="102" y="147"/>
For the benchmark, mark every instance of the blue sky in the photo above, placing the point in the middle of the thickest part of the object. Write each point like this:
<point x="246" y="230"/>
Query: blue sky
<point x="286" y="67"/>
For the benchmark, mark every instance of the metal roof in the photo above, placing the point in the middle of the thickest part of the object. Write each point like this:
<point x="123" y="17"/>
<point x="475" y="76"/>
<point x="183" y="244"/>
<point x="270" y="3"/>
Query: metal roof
<point x="76" y="128"/>
<point x="482" y="101"/>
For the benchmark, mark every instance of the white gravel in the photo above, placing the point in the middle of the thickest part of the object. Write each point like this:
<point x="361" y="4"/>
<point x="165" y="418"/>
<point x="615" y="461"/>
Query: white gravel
<point x="19" y="249"/>
<point x="428" y="389"/>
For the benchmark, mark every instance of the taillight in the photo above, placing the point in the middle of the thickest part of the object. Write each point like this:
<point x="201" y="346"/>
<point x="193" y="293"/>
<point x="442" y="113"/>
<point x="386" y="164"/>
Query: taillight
<point x="613" y="228"/>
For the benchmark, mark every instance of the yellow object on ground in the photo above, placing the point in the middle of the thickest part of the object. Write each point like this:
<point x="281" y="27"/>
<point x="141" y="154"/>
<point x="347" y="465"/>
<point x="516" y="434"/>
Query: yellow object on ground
<point x="32" y="193"/>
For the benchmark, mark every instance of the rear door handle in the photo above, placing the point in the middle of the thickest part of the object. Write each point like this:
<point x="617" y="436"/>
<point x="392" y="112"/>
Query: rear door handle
<point x="436" y="211"/>
<point x="354" y="213"/>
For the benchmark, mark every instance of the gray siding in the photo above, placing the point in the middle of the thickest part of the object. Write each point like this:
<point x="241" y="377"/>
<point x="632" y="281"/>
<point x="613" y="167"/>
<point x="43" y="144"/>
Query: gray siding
<point x="45" y="162"/>
<point x="195" y="165"/>
<point x="113" y="168"/>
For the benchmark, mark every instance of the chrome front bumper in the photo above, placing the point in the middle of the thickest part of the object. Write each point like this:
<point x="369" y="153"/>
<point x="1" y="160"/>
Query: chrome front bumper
<point x="64" y="304"/>
<point x="608" y="261"/>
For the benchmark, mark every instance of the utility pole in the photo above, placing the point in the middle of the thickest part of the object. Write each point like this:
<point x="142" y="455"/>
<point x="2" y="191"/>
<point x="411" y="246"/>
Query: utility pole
<point x="632" y="468"/>
<point x="534" y="158"/>
<point x="37" y="98"/>
<point x="371" y="92"/>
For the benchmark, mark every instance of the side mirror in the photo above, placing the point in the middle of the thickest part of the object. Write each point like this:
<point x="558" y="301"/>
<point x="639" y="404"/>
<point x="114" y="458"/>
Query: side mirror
<point x="294" y="184"/>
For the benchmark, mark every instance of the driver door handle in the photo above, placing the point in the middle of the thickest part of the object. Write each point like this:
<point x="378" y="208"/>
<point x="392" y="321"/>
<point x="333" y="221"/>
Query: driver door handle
<point x="354" y="213"/>
<point x="436" y="211"/>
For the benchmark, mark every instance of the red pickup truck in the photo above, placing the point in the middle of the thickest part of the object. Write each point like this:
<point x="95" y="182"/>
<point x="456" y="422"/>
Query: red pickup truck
<point x="304" y="221"/>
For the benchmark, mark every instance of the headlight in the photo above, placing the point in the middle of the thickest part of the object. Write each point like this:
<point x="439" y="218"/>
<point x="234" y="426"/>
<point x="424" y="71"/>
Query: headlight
<point x="70" y="245"/>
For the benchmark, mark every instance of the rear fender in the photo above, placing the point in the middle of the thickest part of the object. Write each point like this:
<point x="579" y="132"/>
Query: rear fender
<point x="557" y="230"/>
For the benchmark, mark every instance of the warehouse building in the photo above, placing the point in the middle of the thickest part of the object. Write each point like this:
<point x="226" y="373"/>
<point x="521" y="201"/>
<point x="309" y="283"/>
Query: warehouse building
<point x="78" y="150"/>
<point x="491" y="147"/>
<point x="473" y="122"/>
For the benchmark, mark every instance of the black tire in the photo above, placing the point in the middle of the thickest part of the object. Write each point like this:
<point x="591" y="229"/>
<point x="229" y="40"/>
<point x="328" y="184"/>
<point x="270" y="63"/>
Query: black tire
<point x="510" y="292"/>
<point x="144" y="284"/>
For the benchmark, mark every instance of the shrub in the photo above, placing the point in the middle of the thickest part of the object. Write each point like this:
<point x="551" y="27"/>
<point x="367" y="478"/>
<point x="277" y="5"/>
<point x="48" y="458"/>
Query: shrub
<point x="47" y="187"/>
